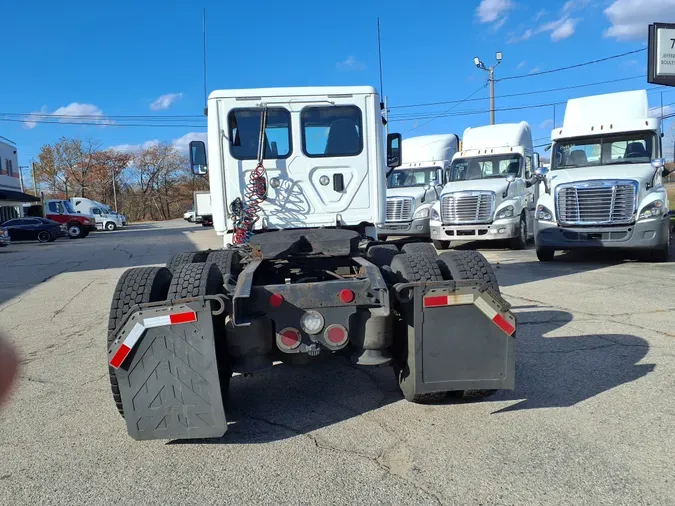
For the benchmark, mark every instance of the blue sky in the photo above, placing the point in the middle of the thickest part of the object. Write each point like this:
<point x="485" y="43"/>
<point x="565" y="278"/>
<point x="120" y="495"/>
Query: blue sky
<point x="102" y="59"/>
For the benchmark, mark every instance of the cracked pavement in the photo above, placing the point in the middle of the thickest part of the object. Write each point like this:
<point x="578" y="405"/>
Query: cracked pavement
<point x="590" y="421"/>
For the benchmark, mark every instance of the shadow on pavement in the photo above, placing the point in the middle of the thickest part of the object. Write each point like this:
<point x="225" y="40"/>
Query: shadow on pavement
<point x="561" y="371"/>
<point x="551" y="372"/>
<point x="26" y="264"/>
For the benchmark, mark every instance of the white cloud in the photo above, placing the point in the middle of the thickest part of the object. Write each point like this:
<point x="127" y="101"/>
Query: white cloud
<point x="546" y="124"/>
<point x="540" y="14"/>
<point x="490" y="11"/>
<point x="130" y="148"/>
<point x="71" y="113"/>
<point x="535" y="70"/>
<point x="350" y="63"/>
<point x="165" y="101"/>
<point x="521" y="64"/>
<point x="518" y="37"/>
<point x="560" y="29"/>
<point x="182" y="142"/>
<point x="630" y="18"/>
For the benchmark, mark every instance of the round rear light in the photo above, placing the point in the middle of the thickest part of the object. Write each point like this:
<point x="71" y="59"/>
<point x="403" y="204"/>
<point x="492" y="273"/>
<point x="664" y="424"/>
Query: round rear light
<point x="276" y="300"/>
<point x="336" y="335"/>
<point x="312" y="322"/>
<point x="288" y="339"/>
<point x="347" y="296"/>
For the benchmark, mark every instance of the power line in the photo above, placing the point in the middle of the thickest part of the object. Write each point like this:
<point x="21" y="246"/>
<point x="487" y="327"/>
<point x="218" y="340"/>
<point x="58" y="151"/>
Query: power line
<point x="534" y="92"/>
<point x="448" y="110"/>
<point x="570" y="67"/>
<point x="150" y="117"/>
<point x="446" y="114"/>
<point x="101" y="123"/>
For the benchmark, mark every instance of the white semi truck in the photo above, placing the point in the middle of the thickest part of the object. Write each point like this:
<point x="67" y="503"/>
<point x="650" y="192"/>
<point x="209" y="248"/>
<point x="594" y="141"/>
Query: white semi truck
<point x="487" y="195"/>
<point x="298" y="184"/>
<point x="605" y="186"/>
<point x="104" y="217"/>
<point x="413" y="187"/>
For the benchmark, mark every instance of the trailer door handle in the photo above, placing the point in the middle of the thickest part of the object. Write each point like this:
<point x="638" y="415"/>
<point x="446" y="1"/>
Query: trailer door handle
<point x="338" y="182"/>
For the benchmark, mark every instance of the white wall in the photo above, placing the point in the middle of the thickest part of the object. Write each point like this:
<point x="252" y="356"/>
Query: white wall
<point x="8" y="152"/>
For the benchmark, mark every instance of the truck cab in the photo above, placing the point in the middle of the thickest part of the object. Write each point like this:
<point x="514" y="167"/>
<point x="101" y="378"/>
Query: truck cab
<point x="61" y="211"/>
<point x="104" y="218"/>
<point x="413" y="187"/>
<point x="487" y="195"/>
<point x="605" y="186"/>
<point x="202" y="208"/>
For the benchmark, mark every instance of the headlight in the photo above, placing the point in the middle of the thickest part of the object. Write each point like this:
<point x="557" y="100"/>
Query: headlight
<point x="435" y="215"/>
<point x="506" y="212"/>
<point x="544" y="214"/>
<point x="422" y="212"/>
<point x="652" y="210"/>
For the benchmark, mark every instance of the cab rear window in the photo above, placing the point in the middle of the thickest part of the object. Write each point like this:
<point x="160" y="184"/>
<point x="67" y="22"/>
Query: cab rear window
<point x="330" y="131"/>
<point x="244" y="129"/>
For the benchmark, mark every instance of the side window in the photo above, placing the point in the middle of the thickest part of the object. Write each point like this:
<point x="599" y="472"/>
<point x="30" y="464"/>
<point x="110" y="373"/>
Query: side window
<point x="244" y="132"/>
<point x="331" y="131"/>
<point x="52" y="208"/>
<point x="10" y="169"/>
<point x="96" y="211"/>
<point x="528" y="166"/>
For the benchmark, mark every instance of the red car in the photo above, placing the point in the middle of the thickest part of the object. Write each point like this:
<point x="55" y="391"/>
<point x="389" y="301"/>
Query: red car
<point x="62" y="212"/>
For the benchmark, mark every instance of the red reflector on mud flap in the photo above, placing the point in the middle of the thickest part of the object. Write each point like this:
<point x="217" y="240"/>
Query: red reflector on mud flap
<point x="447" y="300"/>
<point x="497" y="319"/>
<point x="188" y="317"/>
<point x="501" y="322"/>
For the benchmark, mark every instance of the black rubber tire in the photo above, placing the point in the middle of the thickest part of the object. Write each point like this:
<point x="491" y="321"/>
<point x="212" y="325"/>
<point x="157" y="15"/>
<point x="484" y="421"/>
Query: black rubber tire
<point x="75" y="230"/>
<point x="110" y="226"/>
<point x="420" y="248"/>
<point x="84" y="234"/>
<point x="227" y="261"/>
<point x="44" y="236"/>
<point x="408" y="267"/>
<point x="520" y="241"/>
<point x="545" y="254"/>
<point x="382" y="254"/>
<point x="465" y="265"/>
<point x="195" y="280"/>
<point x="180" y="259"/>
<point x="439" y="245"/>
<point x="660" y="255"/>
<point x="139" y="285"/>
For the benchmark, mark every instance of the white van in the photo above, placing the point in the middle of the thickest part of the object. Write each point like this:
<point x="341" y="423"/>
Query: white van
<point x="605" y="186"/>
<point x="413" y="187"/>
<point x="101" y="213"/>
<point x="487" y="195"/>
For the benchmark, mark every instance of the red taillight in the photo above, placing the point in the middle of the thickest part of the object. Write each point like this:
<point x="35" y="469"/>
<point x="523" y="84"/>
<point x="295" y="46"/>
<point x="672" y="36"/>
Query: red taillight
<point x="336" y="335"/>
<point x="288" y="339"/>
<point x="276" y="300"/>
<point x="347" y="296"/>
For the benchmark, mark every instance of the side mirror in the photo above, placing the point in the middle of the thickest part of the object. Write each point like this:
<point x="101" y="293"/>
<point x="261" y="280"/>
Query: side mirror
<point x="540" y="176"/>
<point x="509" y="179"/>
<point x="394" y="150"/>
<point x="535" y="161"/>
<point x="659" y="165"/>
<point x="198" y="158"/>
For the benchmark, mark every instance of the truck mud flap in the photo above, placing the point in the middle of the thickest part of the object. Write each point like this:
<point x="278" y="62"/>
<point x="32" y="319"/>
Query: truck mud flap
<point x="460" y="336"/>
<point x="164" y="358"/>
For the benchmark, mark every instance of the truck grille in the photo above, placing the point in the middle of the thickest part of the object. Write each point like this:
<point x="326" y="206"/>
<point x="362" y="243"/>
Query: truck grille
<point x="596" y="202"/>
<point x="474" y="207"/>
<point x="399" y="209"/>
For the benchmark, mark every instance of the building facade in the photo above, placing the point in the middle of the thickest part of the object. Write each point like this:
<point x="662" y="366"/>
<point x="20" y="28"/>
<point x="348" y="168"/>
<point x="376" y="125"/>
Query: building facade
<point x="12" y="197"/>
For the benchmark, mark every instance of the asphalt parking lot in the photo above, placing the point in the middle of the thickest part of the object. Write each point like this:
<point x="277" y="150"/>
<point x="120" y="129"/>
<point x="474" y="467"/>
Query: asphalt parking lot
<point x="590" y="421"/>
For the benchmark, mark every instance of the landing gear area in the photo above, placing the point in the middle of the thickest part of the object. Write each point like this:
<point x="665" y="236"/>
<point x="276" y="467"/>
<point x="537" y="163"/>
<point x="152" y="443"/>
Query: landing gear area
<point x="178" y="333"/>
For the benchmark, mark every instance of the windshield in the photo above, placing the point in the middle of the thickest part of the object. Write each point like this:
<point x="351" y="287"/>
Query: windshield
<point x="636" y="147"/>
<point x="465" y="169"/>
<point x="407" y="178"/>
<point x="69" y="208"/>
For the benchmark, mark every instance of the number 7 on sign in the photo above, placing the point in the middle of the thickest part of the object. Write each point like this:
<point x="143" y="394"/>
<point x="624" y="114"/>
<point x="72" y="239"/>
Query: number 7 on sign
<point x="672" y="43"/>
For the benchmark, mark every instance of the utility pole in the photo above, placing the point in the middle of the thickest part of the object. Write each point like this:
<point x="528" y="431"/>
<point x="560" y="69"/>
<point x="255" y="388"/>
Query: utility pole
<point x="21" y="167"/>
<point x="114" y="189"/>
<point x="35" y="188"/>
<point x="491" y="79"/>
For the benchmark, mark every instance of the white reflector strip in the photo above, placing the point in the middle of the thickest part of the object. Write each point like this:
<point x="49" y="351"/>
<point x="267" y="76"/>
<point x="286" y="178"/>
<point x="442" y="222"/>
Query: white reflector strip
<point x="496" y="318"/>
<point x="156" y="321"/>
<point x="127" y="345"/>
<point x="485" y="308"/>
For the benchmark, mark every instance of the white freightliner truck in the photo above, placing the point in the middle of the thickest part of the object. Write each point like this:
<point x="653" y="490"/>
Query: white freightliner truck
<point x="605" y="186"/>
<point x="413" y="187"/>
<point x="487" y="196"/>
<point x="298" y="184"/>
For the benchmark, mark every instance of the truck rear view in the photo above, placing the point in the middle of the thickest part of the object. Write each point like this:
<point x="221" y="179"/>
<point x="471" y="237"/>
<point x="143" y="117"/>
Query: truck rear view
<point x="297" y="183"/>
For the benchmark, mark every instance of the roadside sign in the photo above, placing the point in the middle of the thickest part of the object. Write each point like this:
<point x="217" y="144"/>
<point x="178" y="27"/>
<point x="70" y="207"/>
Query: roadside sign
<point x="661" y="54"/>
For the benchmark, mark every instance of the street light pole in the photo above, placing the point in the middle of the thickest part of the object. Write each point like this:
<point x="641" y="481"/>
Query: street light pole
<point x="491" y="79"/>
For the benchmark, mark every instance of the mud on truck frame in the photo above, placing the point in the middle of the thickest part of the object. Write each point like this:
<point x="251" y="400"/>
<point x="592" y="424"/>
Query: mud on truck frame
<point x="177" y="334"/>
